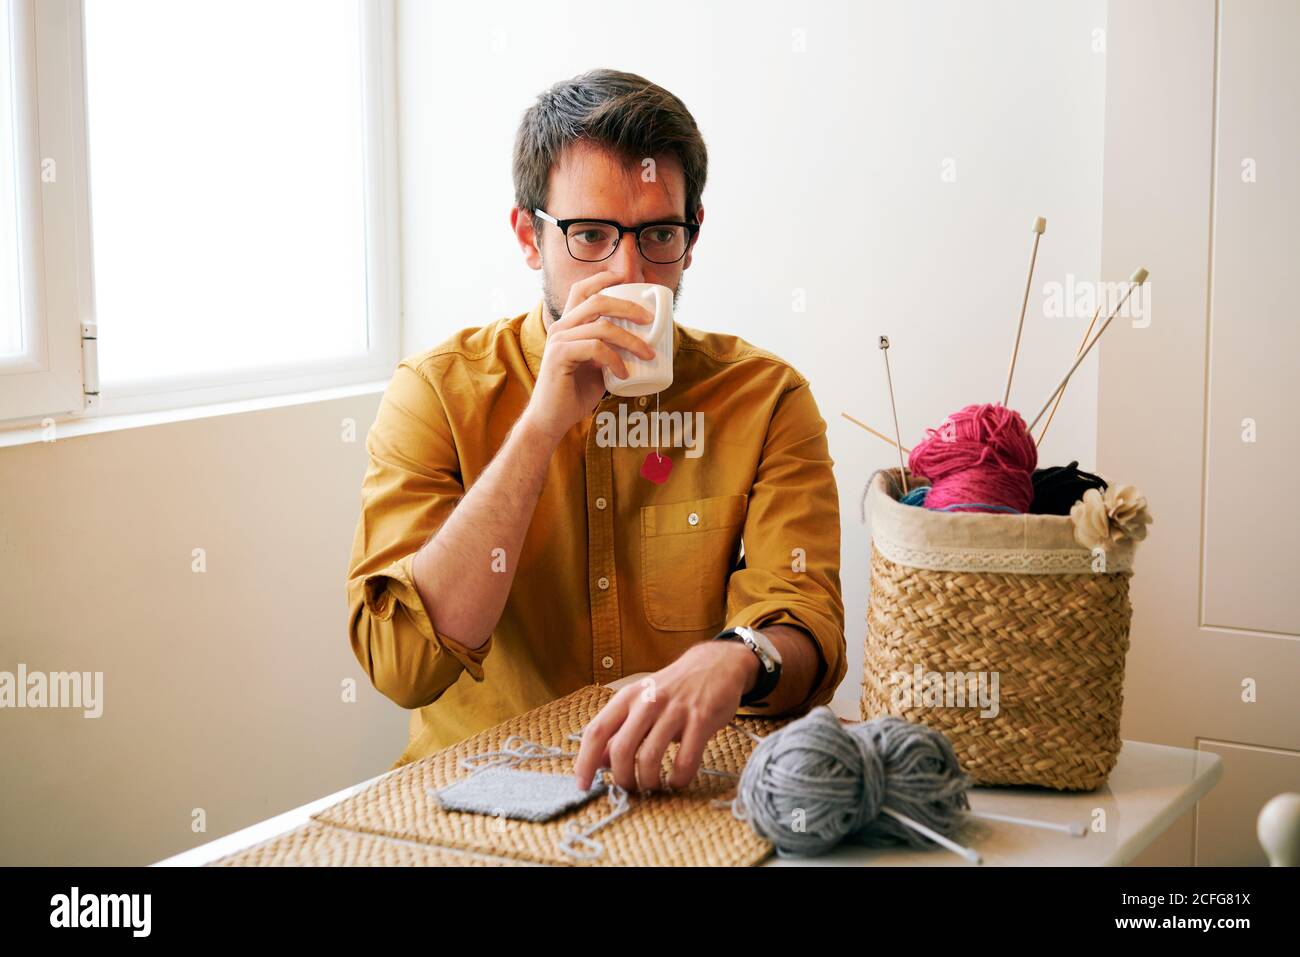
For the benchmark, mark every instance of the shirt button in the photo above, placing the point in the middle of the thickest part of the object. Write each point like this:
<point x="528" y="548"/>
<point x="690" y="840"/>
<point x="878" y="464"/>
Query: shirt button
<point x="642" y="401"/>
<point x="607" y="662"/>
<point x="600" y="504"/>
<point x="602" y="582"/>
<point x="693" y="519"/>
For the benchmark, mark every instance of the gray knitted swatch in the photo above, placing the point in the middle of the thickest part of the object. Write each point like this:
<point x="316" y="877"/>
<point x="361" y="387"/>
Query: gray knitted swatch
<point x="523" y="795"/>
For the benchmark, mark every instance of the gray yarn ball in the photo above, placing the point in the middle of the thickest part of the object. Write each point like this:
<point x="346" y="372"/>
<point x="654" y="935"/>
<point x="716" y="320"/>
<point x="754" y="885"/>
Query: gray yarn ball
<point x="817" y="782"/>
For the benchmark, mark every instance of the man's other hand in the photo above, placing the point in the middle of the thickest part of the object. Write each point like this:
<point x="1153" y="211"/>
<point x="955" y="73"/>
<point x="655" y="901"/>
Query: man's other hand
<point x="688" y="702"/>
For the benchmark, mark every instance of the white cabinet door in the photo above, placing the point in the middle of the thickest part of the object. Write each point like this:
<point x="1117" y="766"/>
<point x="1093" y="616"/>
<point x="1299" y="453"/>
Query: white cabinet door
<point x="1199" y="408"/>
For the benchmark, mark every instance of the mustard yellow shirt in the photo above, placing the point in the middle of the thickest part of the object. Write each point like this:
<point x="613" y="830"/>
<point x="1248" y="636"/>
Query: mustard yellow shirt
<point x="617" y="575"/>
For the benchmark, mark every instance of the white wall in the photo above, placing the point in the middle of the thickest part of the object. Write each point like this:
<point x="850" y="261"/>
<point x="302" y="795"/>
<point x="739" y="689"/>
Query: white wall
<point x="221" y="690"/>
<point x="825" y="178"/>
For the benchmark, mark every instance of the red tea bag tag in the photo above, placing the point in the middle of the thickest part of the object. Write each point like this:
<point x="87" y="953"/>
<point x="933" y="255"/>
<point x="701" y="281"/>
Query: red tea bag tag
<point x="656" y="467"/>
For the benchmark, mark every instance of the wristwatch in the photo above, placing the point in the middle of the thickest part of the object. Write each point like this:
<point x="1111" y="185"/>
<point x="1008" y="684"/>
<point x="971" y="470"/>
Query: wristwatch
<point x="770" y="659"/>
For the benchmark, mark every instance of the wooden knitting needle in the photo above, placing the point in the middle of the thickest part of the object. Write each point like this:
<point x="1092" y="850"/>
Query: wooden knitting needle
<point x="902" y="469"/>
<point x="879" y="435"/>
<point x="1040" y="227"/>
<point x="1137" y="279"/>
<point x="1061" y="395"/>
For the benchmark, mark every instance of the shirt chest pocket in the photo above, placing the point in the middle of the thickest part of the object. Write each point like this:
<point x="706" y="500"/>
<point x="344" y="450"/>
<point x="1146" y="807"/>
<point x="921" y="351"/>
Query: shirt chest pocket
<point x="687" y="552"/>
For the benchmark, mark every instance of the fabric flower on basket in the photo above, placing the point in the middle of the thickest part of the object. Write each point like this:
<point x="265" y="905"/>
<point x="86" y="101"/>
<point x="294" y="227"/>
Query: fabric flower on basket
<point x="1103" y="519"/>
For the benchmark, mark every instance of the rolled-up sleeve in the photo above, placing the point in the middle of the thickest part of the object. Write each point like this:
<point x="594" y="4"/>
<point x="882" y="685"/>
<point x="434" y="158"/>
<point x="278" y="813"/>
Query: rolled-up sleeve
<point x="790" y="571"/>
<point x="411" y="486"/>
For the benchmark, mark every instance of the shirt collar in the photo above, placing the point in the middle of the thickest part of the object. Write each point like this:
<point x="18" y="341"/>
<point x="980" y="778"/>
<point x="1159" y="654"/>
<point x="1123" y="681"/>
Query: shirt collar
<point x="532" y="336"/>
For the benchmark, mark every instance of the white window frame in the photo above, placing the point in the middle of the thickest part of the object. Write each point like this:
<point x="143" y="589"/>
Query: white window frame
<point x="47" y="377"/>
<point x="61" y="225"/>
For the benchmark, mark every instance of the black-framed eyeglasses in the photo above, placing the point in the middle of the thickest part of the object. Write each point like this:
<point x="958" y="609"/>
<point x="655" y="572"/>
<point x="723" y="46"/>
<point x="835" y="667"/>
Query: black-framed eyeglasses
<point x="594" y="240"/>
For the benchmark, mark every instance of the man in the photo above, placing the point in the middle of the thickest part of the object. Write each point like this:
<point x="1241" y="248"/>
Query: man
<point x="504" y="535"/>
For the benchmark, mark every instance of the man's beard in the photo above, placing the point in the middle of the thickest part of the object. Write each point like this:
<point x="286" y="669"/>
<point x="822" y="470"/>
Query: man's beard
<point x="555" y="310"/>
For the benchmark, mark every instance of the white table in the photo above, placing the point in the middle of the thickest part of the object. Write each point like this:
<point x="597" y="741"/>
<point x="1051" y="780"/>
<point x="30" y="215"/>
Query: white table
<point x="1151" y="787"/>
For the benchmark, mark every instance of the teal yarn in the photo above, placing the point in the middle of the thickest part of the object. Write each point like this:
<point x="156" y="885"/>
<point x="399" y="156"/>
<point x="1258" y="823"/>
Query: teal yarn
<point x="978" y="506"/>
<point x="817" y="782"/>
<point x="916" y="496"/>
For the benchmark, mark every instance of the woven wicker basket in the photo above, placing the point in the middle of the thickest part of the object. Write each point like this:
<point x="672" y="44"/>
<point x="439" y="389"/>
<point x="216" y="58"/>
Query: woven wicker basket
<point x="960" y="599"/>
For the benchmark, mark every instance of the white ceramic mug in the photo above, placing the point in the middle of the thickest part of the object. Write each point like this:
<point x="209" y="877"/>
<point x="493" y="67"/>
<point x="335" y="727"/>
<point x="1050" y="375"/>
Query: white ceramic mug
<point x="644" y="376"/>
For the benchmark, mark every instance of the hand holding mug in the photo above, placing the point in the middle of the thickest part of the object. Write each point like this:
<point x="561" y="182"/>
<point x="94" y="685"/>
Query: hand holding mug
<point x="580" y="347"/>
<point x="645" y="376"/>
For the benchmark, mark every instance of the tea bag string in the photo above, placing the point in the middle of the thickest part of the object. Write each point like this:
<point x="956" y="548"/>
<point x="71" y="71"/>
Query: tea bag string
<point x="658" y="457"/>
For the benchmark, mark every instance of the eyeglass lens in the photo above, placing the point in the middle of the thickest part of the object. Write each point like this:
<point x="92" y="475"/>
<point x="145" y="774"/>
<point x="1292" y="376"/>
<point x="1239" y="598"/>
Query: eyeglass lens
<point x="592" y="242"/>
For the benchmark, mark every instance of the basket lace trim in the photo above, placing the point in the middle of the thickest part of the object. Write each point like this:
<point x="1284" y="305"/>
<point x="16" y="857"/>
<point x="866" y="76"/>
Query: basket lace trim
<point x="1025" y="562"/>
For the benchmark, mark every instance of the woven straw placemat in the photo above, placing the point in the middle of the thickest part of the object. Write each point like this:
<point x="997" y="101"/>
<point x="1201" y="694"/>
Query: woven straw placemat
<point x="320" y="845"/>
<point x="660" y="829"/>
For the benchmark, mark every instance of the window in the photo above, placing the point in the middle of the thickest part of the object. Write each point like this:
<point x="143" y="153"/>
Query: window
<point x="227" y="167"/>
<point x="11" y="327"/>
<point x="40" y="330"/>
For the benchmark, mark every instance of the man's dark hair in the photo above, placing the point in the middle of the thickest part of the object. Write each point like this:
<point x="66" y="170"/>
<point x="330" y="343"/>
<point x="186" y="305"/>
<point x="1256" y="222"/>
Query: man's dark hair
<point x="621" y="112"/>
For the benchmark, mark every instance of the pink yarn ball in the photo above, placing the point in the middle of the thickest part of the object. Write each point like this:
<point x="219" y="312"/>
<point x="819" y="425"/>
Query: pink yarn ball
<point x="982" y="455"/>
